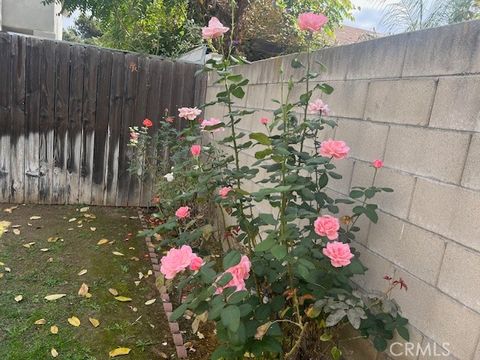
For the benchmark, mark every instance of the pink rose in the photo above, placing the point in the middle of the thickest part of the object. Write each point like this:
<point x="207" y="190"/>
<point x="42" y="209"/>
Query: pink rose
<point x="223" y="192"/>
<point x="334" y="148"/>
<point x="214" y="29"/>
<point x="311" y="22"/>
<point x="338" y="253"/>
<point x="189" y="113"/>
<point x="196" y="150"/>
<point x="182" y="212"/>
<point x="211" y="122"/>
<point x="177" y="260"/>
<point x="170" y="119"/>
<point x="240" y="273"/>
<point x="318" y="107"/>
<point x="377" y="164"/>
<point x="196" y="263"/>
<point x="264" y="121"/>
<point x="133" y="136"/>
<point x="327" y="226"/>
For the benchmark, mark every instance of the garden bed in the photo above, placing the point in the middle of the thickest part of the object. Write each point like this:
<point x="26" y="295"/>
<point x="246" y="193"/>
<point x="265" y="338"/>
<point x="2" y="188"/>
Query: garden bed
<point x="46" y="251"/>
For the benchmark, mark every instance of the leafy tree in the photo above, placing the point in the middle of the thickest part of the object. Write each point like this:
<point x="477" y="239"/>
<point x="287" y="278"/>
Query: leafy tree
<point x="410" y="15"/>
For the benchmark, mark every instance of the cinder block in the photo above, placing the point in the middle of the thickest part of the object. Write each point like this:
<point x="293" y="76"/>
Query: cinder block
<point x="447" y="210"/>
<point x="344" y="168"/>
<point x="398" y="348"/>
<point x="274" y="92"/>
<point x="366" y="140"/>
<point x="451" y="49"/>
<point x="430" y="350"/>
<point x="212" y="92"/>
<point x="377" y="266"/>
<point x="406" y="245"/>
<point x="216" y="111"/>
<point x="438" y="316"/>
<point x="348" y="98"/>
<point x="398" y="201"/>
<point x="471" y="173"/>
<point x="477" y="354"/>
<point x="255" y="96"/>
<point x="456" y="103"/>
<point x="400" y="101"/>
<point x="363" y="174"/>
<point x="460" y="275"/>
<point x="433" y="153"/>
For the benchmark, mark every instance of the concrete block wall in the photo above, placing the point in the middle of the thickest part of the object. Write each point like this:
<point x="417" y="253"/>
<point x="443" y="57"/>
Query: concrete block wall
<point x="412" y="100"/>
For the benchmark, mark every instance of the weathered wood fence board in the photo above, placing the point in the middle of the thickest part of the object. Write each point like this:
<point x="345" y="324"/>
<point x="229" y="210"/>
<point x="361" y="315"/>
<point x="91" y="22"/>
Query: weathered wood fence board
<point x="65" y="110"/>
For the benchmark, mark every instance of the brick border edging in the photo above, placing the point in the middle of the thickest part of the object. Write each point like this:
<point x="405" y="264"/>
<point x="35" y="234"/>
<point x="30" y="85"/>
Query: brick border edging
<point x="167" y="305"/>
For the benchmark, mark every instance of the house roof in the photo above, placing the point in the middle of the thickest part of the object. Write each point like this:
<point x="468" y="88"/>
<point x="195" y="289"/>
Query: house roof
<point x="350" y="35"/>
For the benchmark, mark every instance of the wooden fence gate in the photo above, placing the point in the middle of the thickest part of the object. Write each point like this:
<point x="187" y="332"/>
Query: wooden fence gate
<point x="65" y="110"/>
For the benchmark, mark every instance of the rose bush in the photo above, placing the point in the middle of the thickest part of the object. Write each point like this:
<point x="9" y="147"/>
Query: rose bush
<point x="287" y="280"/>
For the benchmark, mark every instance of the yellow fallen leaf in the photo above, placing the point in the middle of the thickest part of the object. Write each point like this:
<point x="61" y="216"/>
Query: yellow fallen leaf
<point x="117" y="253"/>
<point x="122" y="298"/>
<point x="119" y="351"/>
<point x="54" y="297"/>
<point x="150" y="302"/>
<point x="94" y="322"/>
<point x="41" y="322"/>
<point x="74" y="321"/>
<point x="53" y="239"/>
<point x="44" y="250"/>
<point x="131" y="248"/>
<point x="102" y="242"/>
<point x="54" y="329"/>
<point x="7" y="269"/>
<point x="82" y="272"/>
<point x="137" y="283"/>
<point x="114" y="292"/>
<point x="54" y="353"/>
<point x="16" y="231"/>
<point x="29" y="245"/>
<point x="1" y="275"/>
<point x="18" y="298"/>
<point x="9" y="210"/>
<point x="134" y="258"/>
<point x="84" y="209"/>
<point x="83" y="291"/>
<point x="72" y="219"/>
<point x="2" y="264"/>
<point x="93" y="228"/>
<point x="90" y="216"/>
<point x="35" y="217"/>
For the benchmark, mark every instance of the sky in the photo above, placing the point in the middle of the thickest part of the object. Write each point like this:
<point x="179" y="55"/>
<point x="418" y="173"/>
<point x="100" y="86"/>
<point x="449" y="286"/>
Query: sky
<point x="367" y="17"/>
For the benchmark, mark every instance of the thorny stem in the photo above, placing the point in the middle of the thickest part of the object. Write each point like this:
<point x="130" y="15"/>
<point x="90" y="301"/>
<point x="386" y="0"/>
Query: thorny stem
<point x="307" y="83"/>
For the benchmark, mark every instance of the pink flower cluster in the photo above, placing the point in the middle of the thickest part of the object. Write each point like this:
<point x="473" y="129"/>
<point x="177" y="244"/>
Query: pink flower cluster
<point x="196" y="150"/>
<point x="240" y="273"/>
<point x="318" y="107"/>
<point x="338" y="253"/>
<point x="377" y="164"/>
<point x="177" y="260"/>
<point x="211" y="122"/>
<point x="311" y="22"/>
<point x="214" y="29"/>
<point x="328" y="226"/>
<point x="182" y="212"/>
<point x="223" y="192"/>
<point x="189" y="113"/>
<point x="334" y="148"/>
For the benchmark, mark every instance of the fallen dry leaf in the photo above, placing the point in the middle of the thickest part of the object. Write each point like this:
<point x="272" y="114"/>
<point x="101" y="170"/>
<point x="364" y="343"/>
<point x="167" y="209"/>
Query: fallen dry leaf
<point x="93" y="228"/>
<point x="53" y="239"/>
<point x="94" y="322"/>
<point x="122" y="298"/>
<point x="9" y="210"/>
<point x="102" y="242"/>
<point x="54" y="297"/>
<point x="150" y="302"/>
<point x="35" y="217"/>
<point x="29" y="245"/>
<point x="114" y="292"/>
<point x="54" y="353"/>
<point x="16" y="231"/>
<point x="82" y="272"/>
<point x="40" y="322"/>
<point x="74" y="321"/>
<point x="84" y="209"/>
<point x="54" y="329"/>
<point x="83" y="291"/>
<point x="117" y="253"/>
<point x="119" y="352"/>
<point x="44" y="250"/>
<point x="18" y="298"/>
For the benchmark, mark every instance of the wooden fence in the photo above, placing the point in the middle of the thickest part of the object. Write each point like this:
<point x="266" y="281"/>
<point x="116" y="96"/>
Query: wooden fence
<point x="65" y="110"/>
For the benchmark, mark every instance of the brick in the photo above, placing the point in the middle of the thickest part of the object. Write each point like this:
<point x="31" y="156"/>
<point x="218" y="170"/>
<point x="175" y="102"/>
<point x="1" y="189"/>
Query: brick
<point x="456" y="104"/>
<point x="438" y="316"/>
<point x="447" y="210"/>
<point x="432" y="153"/>
<point x="168" y="307"/>
<point x="377" y="266"/>
<point x="427" y="50"/>
<point x="400" y="101"/>
<point x="471" y="173"/>
<point x="181" y="352"/>
<point x="366" y="140"/>
<point x="177" y="339"/>
<point x="352" y="92"/>
<point x="406" y="245"/>
<point x="255" y="96"/>
<point x="460" y="275"/>
<point x="174" y="328"/>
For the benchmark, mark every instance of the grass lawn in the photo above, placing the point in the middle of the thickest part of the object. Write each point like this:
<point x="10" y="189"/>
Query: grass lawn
<point x="44" y="256"/>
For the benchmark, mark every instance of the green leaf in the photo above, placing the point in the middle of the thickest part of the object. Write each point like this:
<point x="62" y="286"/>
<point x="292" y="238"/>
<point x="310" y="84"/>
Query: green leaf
<point x="179" y="311"/>
<point x="231" y="259"/>
<point x="265" y="245"/>
<point x="387" y="189"/>
<point x="231" y="317"/>
<point x="404" y="333"/>
<point x="237" y="297"/>
<point x="355" y="194"/>
<point x="261" y="138"/>
<point x="263" y="154"/>
<point x="296" y="64"/>
<point x="279" y="251"/>
<point x="336" y="353"/>
<point x="380" y="343"/>
<point x="237" y="92"/>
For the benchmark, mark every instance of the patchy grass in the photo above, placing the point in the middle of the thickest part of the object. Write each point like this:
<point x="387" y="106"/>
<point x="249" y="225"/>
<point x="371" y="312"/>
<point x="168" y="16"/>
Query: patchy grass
<point x="35" y="274"/>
